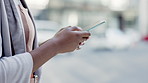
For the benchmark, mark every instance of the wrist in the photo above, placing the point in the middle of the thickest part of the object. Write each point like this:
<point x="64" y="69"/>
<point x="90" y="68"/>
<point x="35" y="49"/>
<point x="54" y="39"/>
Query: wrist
<point x="56" y="45"/>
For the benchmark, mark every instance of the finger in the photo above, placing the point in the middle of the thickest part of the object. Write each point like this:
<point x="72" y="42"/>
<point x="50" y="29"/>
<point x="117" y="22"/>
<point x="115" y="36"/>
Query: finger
<point x="81" y="43"/>
<point x="74" y="28"/>
<point x="78" y="48"/>
<point x="82" y="40"/>
<point x="85" y="38"/>
<point x="85" y="34"/>
<point x="63" y="28"/>
<point x="82" y="34"/>
<point x="68" y="26"/>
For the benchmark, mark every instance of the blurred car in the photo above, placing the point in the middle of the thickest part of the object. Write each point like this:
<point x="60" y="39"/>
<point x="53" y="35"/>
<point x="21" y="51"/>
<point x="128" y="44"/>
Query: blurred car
<point x="145" y="38"/>
<point x="117" y="39"/>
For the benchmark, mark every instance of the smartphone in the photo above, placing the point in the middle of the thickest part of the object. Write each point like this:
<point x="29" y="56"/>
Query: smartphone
<point x="91" y="27"/>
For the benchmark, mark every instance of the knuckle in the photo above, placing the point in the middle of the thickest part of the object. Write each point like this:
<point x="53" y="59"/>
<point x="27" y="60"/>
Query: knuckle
<point x="89" y="34"/>
<point x="78" y="35"/>
<point x="79" y="28"/>
<point x="74" y="27"/>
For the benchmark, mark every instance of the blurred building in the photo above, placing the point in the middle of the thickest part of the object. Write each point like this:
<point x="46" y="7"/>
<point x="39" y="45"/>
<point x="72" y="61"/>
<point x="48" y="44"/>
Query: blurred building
<point x="143" y="17"/>
<point x="122" y="14"/>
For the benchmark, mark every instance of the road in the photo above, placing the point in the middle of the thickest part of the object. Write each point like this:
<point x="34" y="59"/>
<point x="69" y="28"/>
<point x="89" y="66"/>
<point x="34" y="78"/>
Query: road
<point x="92" y="65"/>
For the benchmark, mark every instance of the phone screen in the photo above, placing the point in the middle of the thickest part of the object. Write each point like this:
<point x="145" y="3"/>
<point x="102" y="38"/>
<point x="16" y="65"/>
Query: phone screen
<point x="91" y="27"/>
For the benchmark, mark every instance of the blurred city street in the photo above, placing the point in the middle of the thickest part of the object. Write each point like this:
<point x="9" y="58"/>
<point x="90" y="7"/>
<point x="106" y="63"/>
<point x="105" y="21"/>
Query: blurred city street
<point x="116" y="51"/>
<point x="90" y="65"/>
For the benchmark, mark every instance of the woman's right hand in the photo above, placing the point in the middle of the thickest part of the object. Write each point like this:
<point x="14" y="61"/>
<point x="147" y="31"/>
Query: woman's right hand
<point x="69" y="38"/>
<point x="65" y="40"/>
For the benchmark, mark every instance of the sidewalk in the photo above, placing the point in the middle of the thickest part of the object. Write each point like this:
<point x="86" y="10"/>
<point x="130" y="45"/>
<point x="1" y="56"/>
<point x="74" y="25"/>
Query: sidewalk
<point x="92" y="66"/>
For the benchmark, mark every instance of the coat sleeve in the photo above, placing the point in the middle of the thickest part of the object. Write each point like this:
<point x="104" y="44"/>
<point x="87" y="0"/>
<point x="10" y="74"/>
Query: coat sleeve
<point x="15" y="69"/>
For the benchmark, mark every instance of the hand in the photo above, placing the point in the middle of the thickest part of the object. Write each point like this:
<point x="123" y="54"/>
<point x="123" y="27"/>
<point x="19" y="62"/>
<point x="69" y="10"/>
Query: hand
<point x="66" y="40"/>
<point x="69" y="38"/>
